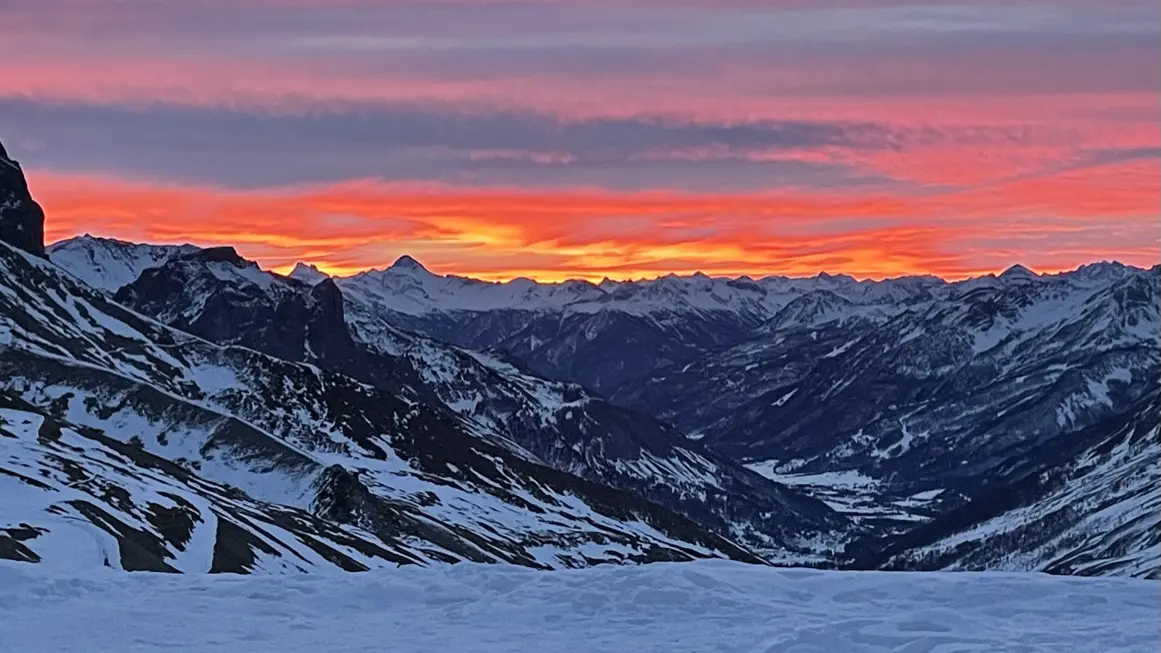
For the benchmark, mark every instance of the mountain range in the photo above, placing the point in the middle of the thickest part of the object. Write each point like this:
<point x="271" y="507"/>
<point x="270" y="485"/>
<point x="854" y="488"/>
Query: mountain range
<point x="221" y="297"/>
<point x="179" y="408"/>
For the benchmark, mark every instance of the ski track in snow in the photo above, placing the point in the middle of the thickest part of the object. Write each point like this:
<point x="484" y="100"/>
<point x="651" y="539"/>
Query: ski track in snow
<point x="692" y="607"/>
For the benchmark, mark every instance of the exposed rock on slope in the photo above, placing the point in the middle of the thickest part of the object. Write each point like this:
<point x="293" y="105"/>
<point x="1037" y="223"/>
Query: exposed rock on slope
<point x="21" y="218"/>
<point x="73" y="497"/>
<point x="1089" y="506"/>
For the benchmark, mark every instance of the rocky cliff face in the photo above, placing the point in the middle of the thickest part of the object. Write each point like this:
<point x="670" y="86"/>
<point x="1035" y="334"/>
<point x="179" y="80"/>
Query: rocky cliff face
<point x="21" y="218"/>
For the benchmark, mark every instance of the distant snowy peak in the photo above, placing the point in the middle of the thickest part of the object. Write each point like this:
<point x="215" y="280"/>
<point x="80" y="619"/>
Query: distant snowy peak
<point x="409" y="288"/>
<point x="307" y="273"/>
<point x="1019" y="273"/>
<point x="825" y="307"/>
<point x="407" y="264"/>
<point x="107" y="264"/>
<point x="1103" y="272"/>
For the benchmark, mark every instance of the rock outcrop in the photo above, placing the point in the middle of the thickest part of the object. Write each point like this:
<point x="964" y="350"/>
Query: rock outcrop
<point x="21" y="218"/>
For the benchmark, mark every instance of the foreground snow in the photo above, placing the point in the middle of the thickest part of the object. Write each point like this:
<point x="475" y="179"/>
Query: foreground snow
<point x="695" y="607"/>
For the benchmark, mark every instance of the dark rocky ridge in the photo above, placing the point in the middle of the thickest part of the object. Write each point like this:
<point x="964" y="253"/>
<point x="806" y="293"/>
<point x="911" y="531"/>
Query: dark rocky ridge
<point x="21" y="218"/>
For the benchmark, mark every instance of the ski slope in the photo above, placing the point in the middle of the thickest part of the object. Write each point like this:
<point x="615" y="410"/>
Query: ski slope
<point x="695" y="607"/>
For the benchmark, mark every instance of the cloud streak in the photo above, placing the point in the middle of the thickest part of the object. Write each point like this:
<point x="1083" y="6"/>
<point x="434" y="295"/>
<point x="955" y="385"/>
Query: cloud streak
<point x="566" y="138"/>
<point x="435" y="142"/>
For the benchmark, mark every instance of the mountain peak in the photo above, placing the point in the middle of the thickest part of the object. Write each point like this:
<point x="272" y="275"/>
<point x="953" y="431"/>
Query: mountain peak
<point x="222" y="254"/>
<point x="1018" y="271"/>
<point x="1102" y="270"/>
<point x="307" y="273"/>
<point x="835" y="278"/>
<point x="407" y="263"/>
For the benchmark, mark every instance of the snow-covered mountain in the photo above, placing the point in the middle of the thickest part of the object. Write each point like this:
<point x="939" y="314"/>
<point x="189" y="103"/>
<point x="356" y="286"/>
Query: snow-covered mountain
<point x="1030" y="360"/>
<point x="390" y="479"/>
<point x="926" y="414"/>
<point x="107" y="264"/>
<point x="605" y="335"/>
<point x="1003" y="422"/>
<point x="218" y="295"/>
<point x="1089" y="505"/>
<point x="129" y="443"/>
<point x="990" y="331"/>
<point x="900" y="403"/>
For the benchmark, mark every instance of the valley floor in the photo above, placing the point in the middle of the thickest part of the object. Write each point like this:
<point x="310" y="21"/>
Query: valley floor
<point x="694" y="607"/>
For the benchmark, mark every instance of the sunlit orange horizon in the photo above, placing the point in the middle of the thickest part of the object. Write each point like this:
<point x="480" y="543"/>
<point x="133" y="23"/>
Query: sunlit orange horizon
<point x="564" y="234"/>
<point x="555" y="277"/>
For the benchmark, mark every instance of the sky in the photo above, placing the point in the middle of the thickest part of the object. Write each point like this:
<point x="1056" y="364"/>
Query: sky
<point x="560" y="139"/>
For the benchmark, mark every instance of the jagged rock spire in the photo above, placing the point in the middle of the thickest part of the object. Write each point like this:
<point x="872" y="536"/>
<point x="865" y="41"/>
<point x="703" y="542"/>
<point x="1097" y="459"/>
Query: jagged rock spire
<point x="21" y="218"/>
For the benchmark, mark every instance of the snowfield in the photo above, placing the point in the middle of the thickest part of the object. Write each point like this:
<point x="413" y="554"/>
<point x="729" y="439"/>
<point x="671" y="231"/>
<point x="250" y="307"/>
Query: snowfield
<point x="691" y="607"/>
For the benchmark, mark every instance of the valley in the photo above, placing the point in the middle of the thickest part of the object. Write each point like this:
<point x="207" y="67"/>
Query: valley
<point x="397" y="416"/>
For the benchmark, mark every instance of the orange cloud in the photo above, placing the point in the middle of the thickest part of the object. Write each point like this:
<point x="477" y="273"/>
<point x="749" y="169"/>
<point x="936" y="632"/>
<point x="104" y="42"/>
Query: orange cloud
<point x="1049" y="224"/>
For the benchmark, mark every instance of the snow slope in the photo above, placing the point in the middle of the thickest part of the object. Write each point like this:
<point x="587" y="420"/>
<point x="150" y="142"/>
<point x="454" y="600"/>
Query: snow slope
<point x="664" y="608"/>
<point x="1090" y="507"/>
<point x="293" y="435"/>
<point x="73" y="499"/>
<point x="107" y="264"/>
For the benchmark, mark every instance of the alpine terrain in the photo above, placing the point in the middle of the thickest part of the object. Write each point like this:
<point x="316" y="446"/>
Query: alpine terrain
<point x="131" y="444"/>
<point x="1001" y="422"/>
<point x="178" y="408"/>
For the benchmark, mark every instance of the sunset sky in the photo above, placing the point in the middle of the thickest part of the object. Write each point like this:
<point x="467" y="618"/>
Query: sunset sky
<point x="591" y="138"/>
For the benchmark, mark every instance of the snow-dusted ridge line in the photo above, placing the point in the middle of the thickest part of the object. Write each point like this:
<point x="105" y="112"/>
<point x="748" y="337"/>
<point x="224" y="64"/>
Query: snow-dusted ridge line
<point x="414" y="290"/>
<point x="107" y="264"/>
